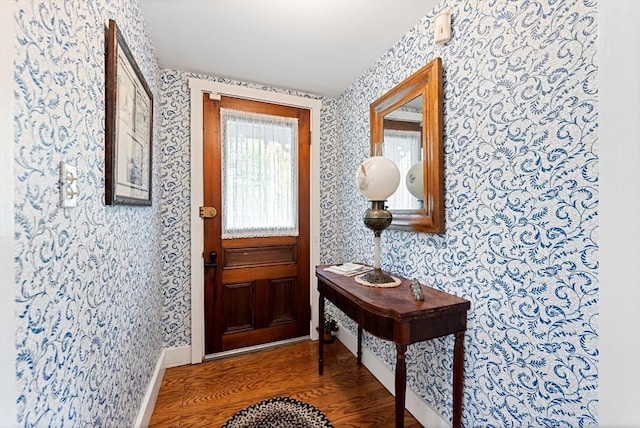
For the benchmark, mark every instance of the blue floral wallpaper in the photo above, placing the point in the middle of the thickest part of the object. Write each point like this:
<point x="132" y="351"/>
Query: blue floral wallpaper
<point x="101" y="290"/>
<point x="521" y="175"/>
<point x="521" y="207"/>
<point x="87" y="284"/>
<point x="175" y="178"/>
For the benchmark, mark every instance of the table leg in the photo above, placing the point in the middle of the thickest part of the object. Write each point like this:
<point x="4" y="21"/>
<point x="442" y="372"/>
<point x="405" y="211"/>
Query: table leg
<point x="401" y="384"/>
<point x="321" y="333"/>
<point x="359" y="353"/>
<point x="458" y="378"/>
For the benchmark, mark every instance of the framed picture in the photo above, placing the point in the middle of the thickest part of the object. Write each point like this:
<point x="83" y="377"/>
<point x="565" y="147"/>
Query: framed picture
<point x="129" y="126"/>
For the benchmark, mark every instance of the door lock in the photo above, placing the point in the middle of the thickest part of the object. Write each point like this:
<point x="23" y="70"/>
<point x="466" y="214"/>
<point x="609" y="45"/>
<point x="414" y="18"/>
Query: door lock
<point x="213" y="263"/>
<point x="208" y="212"/>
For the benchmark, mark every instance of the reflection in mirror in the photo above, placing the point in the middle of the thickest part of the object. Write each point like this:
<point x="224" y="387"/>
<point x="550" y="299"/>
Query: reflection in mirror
<point x="403" y="145"/>
<point x="407" y="120"/>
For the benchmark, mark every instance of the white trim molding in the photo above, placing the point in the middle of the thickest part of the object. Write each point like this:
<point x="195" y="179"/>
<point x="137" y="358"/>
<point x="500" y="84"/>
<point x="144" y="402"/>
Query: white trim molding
<point x="618" y="236"/>
<point x="199" y="87"/>
<point x="169" y="357"/>
<point x="175" y="357"/>
<point x="420" y="410"/>
<point x="8" y="316"/>
<point x="150" y="396"/>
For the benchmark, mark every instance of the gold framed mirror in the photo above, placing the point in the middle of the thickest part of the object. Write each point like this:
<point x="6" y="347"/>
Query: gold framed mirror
<point x="407" y="123"/>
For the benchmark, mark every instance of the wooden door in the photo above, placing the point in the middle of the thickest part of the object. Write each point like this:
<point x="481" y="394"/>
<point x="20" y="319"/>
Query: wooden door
<point x="259" y="290"/>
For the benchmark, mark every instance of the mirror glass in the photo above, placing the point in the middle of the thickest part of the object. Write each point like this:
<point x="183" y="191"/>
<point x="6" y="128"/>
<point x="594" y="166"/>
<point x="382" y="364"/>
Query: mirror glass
<point x="403" y="145"/>
<point x="407" y="124"/>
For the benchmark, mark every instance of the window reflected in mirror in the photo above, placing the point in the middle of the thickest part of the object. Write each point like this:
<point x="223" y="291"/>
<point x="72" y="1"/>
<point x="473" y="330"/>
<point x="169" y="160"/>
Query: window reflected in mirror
<point x="403" y="145"/>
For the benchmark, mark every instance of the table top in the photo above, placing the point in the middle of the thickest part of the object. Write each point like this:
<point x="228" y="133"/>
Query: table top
<point x="397" y="303"/>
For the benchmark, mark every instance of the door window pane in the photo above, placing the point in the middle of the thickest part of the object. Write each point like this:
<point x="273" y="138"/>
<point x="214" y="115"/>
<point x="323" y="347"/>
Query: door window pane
<point x="259" y="175"/>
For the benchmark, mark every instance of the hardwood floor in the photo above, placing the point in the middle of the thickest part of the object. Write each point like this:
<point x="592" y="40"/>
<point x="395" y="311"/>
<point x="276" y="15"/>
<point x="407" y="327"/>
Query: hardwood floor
<point x="208" y="394"/>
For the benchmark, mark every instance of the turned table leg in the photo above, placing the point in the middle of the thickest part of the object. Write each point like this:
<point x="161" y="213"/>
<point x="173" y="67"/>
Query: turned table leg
<point x="359" y="353"/>
<point x="321" y="334"/>
<point x="458" y="378"/>
<point x="401" y="384"/>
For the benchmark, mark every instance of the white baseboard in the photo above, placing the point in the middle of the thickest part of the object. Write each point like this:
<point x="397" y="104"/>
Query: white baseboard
<point x="422" y="411"/>
<point x="149" y="400"/>
<point x="175" y="357"/>
<point x="170" y="357"/>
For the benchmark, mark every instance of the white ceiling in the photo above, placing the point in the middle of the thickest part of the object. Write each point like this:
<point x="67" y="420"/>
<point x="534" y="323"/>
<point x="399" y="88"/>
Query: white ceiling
<point x="313" y="46"/>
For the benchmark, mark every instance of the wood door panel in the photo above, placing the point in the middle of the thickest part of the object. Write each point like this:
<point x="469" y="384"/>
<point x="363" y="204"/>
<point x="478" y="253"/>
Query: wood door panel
<point x="239" y="313"/>
<point x="258" y="337"/>
<point x="257" y="273"/>
<point x="282" y="299"/>
<point x="262" y="241"/>
<point x="259" y="256"/>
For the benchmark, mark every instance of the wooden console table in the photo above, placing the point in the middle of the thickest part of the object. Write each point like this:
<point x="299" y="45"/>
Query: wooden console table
<point x="394" y="314"/>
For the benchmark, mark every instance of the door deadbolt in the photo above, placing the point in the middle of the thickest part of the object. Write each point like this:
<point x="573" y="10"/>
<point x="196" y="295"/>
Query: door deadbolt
<point x="208" y="212"/>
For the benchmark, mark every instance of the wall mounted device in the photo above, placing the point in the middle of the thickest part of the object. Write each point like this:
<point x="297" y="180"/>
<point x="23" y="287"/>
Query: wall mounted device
<point x="68" y="186"/>
<point x="442" y="27"/>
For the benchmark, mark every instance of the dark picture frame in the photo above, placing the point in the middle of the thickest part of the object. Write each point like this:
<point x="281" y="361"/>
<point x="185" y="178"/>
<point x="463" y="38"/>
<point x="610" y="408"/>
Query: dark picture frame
<point x="129" y="126"/>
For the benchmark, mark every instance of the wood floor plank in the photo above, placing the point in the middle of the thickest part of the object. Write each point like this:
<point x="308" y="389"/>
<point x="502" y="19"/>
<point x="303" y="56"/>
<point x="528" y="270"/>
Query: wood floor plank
<point x="208" y="394"/>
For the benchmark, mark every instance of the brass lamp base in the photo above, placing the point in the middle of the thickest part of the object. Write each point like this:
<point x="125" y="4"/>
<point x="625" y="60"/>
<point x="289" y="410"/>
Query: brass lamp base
<point x="376" y="276"/>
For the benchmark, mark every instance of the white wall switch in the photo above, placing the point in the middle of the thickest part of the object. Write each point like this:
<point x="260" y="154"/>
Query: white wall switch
<point x="68" y="186"/>
<point x="442" y="27"/>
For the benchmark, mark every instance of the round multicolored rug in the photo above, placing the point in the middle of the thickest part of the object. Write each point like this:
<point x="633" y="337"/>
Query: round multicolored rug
<point x="279" y="412"/>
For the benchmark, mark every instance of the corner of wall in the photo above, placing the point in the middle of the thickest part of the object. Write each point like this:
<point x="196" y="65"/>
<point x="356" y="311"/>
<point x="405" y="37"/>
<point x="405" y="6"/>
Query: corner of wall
<point x="151" y="394"/>
<point x="8" y="387"/>
<point x="170" y="357"/>
<point x="619" y="231"/>
<point x="179" y="356"/>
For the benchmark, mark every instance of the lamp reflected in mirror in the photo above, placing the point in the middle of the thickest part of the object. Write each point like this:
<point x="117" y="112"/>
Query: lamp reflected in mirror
<point x="415" y="182"/>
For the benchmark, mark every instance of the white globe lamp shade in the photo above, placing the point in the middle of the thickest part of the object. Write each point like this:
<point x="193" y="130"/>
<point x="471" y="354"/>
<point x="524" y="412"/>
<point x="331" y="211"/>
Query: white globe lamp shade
<point x="377" y="178"/>
<point x="415" y="181"/>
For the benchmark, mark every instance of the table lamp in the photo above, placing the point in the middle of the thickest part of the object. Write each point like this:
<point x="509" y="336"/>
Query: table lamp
<point x="377" y="178"/>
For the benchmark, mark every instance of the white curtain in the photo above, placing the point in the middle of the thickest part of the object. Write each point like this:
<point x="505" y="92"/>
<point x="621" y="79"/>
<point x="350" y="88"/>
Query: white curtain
<point x="403" y="148"/>
<point x="259" y="175"/>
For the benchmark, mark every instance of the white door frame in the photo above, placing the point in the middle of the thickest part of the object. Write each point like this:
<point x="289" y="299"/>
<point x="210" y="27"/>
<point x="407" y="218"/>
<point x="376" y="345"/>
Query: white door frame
<point x="198" y="88"/>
